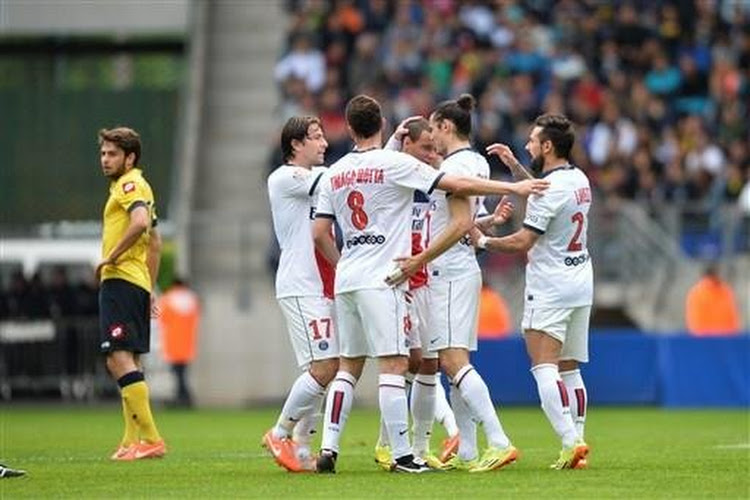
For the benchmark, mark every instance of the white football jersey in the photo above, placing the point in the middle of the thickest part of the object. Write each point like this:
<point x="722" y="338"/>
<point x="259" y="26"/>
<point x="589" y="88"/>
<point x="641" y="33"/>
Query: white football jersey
<point x="559" y="272"/>
<point x="459" y="260"/>
<point x="370" y="194"/>
<point x="292" y="191"/>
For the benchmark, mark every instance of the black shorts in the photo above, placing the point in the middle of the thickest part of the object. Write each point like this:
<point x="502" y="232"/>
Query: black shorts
<point x="124" y="317"/>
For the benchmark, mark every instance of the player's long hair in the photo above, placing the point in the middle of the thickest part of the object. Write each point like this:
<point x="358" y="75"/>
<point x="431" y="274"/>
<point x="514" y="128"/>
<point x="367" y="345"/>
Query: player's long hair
<point x="295" y="128"/>
<point x="457" y="111"/>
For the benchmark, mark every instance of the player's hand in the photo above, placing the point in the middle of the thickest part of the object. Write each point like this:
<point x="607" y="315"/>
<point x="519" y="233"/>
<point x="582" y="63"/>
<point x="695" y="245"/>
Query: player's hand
<point x="155" y="311"/>
<point x="534" y="186"/>
<point x="503" y="211"/>
<point x="401" y="130"/>
<point x="502" y="151"/>
<point x="405" y="269"/>
<point x="100" y="267"/>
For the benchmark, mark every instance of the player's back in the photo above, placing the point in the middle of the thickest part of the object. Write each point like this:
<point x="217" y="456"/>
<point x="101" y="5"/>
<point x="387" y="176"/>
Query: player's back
<point x="460" y="259"/>
<point x="370" y="194"/>
<point x="290" y="191"/>
<point x="559" y="273"/>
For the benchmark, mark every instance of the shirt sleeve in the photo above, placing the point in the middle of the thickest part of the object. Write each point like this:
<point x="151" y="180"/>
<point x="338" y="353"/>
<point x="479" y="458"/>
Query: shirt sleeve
<point x="131" y="194"/>
<point x="413" y="174"/>
<point x="324" y="207"/>
<point x="541" y="209"/>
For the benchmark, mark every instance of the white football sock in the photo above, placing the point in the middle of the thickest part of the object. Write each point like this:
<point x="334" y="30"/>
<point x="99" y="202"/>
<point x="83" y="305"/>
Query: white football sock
<point x="467" y="426"/>
<point x="477" y="397"/>
<point x="422" y="412"/>
<point x="307" y="427"/>
<point x="443" y="412"/>
<point x="554" y="397"/>
<point x="395" y="412"/>
<point x="578" y="398"/>
<point x="338" y="406"/>
<point x="303" y="399"/>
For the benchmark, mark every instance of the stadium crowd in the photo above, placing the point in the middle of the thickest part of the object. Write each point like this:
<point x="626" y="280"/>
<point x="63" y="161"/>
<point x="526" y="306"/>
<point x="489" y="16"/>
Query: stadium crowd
<point x="658" y="90"/>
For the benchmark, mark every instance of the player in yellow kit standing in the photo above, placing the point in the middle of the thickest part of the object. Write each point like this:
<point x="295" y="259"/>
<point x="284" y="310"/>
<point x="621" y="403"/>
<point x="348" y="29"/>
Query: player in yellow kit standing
<point x="130" y="262"/>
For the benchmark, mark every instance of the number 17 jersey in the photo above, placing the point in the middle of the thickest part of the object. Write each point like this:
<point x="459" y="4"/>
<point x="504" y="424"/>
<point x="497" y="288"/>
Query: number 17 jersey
<point x="559" y="272"/>
<point x="370" y="194"/>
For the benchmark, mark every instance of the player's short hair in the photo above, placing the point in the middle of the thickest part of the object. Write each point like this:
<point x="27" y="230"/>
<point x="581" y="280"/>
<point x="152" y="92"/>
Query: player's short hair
<point x="415" y="128"/>
<point x="295" y="128"/>
<point x="559" y="131"/>
<point x="363" y="115"/>
<point x="125" y="138"/>
<point x="457" y="111"/>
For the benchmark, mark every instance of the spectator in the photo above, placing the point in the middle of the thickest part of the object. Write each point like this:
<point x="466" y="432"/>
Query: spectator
<point x="179" y="318"/>
<point x="304" y="62"/>
<point x="710" y="307"/>
<point x="494" y="317"/>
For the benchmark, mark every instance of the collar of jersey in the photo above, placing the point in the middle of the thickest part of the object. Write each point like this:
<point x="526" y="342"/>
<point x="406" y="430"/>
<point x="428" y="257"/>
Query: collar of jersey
<point x="457" y="151"/>
<point x="563" y="167"/>
<point x="133" y="172"/>
<point x="355" y="150"/>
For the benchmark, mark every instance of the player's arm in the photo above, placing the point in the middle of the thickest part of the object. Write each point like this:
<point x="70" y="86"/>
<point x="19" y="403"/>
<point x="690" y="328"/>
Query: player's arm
<point x="322" y="228"/>
<point x="153" y="256"/>
<point x="520" y="241"/>
<point x="474" y="186"/>
<point x="459" y="224"/>
<point x="505" y="154"/>
<point x="502" y="213"/>
<point x="140" y="222"/>
<point x="396" y="140"/>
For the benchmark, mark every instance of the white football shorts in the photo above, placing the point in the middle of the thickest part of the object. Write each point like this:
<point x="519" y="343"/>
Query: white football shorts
<point x="312" y="328"/>
<point x="568" y="325"/>
<point x="453" y="313"/>
<point x="419" y="308"/>
<point x="372" y="322"/>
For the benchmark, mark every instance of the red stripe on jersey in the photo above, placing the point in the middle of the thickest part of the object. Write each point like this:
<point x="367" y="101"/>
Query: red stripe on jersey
<point x="418" y="279"/>
<point x="581" y="399"/>
<point x="338" y="400"/>
<point x="327" y="273"/>
<point x="563" y="393"/>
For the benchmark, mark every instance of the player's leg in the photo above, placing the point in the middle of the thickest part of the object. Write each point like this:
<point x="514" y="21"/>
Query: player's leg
<point x="125" y="333"/>
<point x="544" y="333"/>
<point x="445" y="416"/>
<point x="323" y="372"/>
<point x="575" y="351"/>
<point x="354" y="349"/>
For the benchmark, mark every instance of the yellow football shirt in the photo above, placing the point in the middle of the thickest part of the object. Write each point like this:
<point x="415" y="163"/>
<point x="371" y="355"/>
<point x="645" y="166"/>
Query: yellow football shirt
<point x="126" y="193"/>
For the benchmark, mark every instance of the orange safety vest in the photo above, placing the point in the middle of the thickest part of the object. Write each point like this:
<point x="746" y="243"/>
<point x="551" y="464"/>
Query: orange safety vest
<point x="710" y="309"/>
<point x="494" y="318"/>
<point x="179" y="317"/>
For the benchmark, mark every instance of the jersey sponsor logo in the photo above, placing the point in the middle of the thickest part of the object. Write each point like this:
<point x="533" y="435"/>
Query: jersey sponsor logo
<point x="359" y="176"/>
<point x="365" y="239"/>
<point x="128" y="187"/>
<point x="117" y="331"/>
<point x="576" y="261"/>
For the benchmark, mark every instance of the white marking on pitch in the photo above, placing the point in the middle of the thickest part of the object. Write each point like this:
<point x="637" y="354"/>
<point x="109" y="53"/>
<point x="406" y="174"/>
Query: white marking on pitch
<point x="738" y="446"/>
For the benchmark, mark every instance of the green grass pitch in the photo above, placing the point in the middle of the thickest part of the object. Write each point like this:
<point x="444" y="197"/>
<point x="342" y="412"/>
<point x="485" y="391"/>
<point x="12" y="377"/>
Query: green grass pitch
<point x="636" y="453"/>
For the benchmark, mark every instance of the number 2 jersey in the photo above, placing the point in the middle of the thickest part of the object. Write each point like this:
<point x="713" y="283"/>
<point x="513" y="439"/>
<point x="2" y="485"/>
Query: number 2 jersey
<point x="460" y="259"/>
<point x="559" y="272"/>
<point x="370" y="194"/>
<point x="302" y="270"/>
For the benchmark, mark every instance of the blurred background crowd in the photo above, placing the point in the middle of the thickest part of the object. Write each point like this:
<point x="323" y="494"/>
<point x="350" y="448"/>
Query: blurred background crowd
<point x="659" y="90"/>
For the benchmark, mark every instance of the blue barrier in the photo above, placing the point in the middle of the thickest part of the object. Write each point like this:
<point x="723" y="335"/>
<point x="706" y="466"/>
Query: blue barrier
<point x="628" y="368"/>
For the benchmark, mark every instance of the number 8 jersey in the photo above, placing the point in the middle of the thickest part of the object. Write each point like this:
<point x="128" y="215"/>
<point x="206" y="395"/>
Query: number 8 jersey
<point x="370" y="194"/>
<point x="559" y="272"/>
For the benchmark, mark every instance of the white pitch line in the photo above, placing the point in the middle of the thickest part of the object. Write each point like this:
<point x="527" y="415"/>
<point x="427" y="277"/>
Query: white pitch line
<point x="738" y="446"/>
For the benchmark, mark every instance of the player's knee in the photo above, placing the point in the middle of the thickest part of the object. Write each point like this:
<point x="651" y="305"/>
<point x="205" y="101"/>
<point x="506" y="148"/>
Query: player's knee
<point x="428" y="366"/>
<point x="415" y="360"/>
<point x="324" y="371"/>
<point x="396" y="365"/>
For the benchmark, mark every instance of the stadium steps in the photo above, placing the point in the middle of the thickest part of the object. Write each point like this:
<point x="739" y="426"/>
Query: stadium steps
<point x="244" y="355"/>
